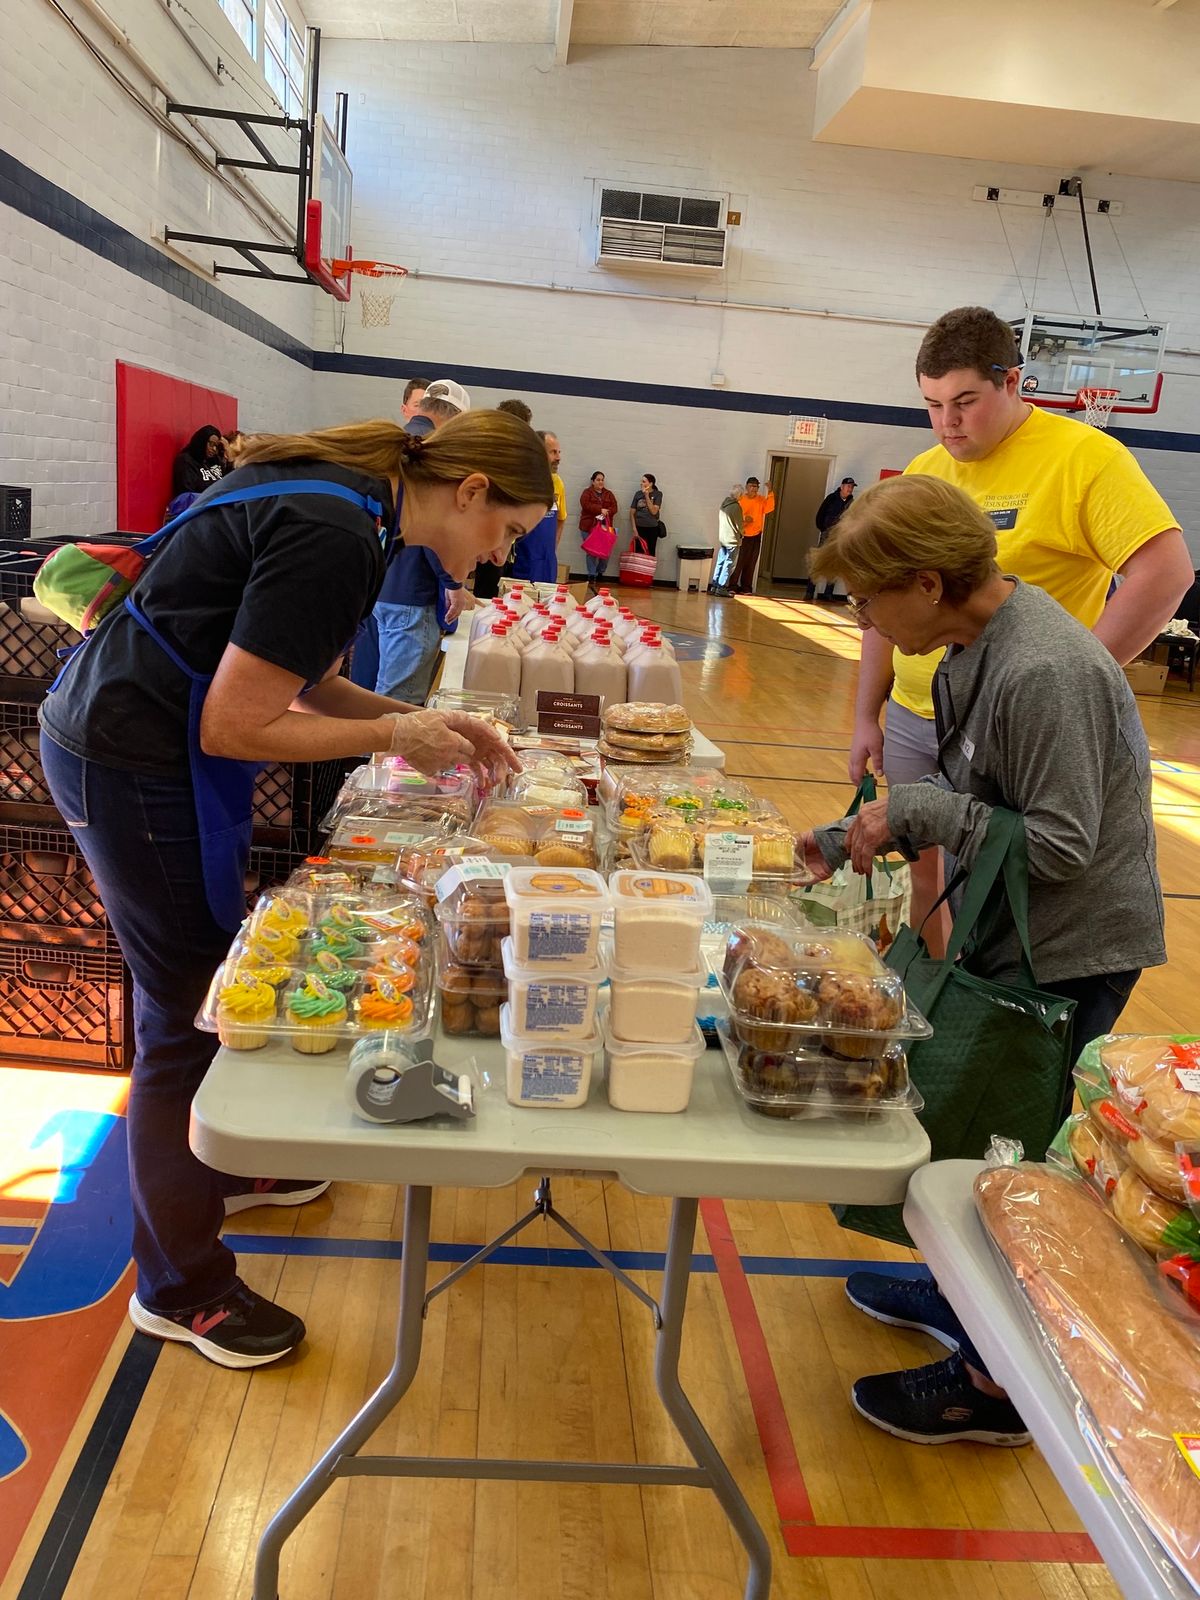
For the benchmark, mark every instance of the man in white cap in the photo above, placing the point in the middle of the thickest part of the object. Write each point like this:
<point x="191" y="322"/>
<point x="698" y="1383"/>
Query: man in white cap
<point x="418" y="597"/>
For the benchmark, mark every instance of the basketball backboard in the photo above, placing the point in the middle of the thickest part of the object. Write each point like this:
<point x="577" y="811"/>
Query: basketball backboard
<point x="1064" y="353"/>
<point x="328" y="213"/>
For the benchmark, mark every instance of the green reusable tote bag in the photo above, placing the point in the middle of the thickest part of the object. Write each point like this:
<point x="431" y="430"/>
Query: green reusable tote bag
<point x="1000" y="1055"/>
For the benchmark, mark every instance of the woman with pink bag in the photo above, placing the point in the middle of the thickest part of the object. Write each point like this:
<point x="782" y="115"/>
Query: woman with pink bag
<point x="597" y="524"/>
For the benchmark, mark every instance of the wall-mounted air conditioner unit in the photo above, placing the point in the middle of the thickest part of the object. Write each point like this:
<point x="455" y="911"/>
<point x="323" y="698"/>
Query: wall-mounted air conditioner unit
<point x="661" y="232"/>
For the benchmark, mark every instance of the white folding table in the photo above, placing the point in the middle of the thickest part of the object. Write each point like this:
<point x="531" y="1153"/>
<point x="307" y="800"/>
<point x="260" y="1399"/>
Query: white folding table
<point x="941" y="1216"/>
<point x="242" y="1123"/>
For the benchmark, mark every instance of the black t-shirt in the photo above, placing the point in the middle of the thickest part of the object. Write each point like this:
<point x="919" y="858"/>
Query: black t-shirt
<point x="288" y="580"/>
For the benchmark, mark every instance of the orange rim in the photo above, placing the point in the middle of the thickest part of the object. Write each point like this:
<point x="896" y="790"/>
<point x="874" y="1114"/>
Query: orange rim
<point x="369" y="269"/>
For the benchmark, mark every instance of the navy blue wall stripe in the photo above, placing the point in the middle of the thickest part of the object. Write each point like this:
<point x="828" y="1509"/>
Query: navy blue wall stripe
<point x="54" y="1560"/>
<point x="34" y="196"/>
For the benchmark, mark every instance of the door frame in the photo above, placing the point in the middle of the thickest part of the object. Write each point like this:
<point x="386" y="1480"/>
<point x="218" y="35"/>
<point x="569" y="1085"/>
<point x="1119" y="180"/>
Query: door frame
<point x="766" y="562"/>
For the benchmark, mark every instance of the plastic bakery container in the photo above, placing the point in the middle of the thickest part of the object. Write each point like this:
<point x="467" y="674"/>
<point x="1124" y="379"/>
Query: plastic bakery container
<point x="542" y="1073"/>
<point x="652" y="1077"/>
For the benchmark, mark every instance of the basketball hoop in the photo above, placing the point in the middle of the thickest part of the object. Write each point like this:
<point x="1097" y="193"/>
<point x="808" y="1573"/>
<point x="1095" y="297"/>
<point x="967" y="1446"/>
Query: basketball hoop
<point x="374" y="305"/>
<point x="1096" y="405"/>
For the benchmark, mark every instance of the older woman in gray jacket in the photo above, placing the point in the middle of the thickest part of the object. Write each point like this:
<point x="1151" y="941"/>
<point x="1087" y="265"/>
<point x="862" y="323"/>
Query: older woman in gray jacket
<point x="1033" y="715"/>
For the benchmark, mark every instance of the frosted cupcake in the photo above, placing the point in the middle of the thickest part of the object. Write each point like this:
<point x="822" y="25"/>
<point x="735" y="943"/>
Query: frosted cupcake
<point x="284" y="916"/>
<point x="270" y="946"/>
<point x="316" y="1012"/>
<point x="243" y="1007"/>
<point x="384" y="1005"/>
<point x="334" y="973"/>
<point x="337" y="942"/>
<point x="277" y="976"/>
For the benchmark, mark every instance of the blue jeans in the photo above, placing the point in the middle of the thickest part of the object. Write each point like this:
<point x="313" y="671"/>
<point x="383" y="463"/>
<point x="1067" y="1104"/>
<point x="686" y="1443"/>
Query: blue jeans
<point x="139" y="837"/>
<point x="409" y="641"/>
<point x="597" y="567"/>
<point x="723" y="570"/>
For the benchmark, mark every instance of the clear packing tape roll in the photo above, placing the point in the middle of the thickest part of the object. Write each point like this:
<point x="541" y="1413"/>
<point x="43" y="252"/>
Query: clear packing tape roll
<point x="391" y="1081"/>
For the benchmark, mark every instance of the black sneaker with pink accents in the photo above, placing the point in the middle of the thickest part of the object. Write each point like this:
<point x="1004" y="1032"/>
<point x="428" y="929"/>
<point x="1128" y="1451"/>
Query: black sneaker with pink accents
<point x="240" y="1330"/>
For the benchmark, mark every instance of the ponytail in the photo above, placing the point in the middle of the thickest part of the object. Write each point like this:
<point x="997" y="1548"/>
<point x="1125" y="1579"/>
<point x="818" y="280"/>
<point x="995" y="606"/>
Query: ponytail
<point x="500" y="446"/>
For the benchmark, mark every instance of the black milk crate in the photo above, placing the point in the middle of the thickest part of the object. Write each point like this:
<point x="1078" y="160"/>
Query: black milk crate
<point x="46" y="891"/>
<point x="24" y="794"/>
<point x="65" y="1008"/>
<point x="290" y="801"/>
<point x="29" y="651"/>
<point x="268" y="868"/>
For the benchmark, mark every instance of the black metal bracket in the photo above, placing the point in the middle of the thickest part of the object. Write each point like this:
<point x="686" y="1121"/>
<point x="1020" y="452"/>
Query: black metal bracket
<point x="251" y="250"/>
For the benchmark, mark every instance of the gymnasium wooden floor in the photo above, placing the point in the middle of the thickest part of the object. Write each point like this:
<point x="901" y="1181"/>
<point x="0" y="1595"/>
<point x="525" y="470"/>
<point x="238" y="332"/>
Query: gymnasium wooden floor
<point x="135" y="1470"/>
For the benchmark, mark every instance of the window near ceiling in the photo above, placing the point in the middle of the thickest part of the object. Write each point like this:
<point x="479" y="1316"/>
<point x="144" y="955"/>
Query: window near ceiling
<point x="276" y="43"/>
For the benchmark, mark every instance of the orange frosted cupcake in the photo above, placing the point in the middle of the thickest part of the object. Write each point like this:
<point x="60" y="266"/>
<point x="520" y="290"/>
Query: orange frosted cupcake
<point x="385" y="1003"/>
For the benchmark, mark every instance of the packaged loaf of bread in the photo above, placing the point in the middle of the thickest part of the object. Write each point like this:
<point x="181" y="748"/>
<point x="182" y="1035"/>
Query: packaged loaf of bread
<point x="1157" y="1081"/>
<point x="1159" y="1226"/>
<point x="1128" y="1353"/>
<point x="1159" y="1164"/>
<point x="536" y="835"/>
<point x="790" y="988"/>
<point x="1082" y="1148"/>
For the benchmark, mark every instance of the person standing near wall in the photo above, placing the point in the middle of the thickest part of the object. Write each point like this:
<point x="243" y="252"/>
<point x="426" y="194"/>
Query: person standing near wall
<point x="730" y="524"/>
<point x="756" y="508"/>
<point x="536" y="557"/>
<point x="597" y="509"/>
<point x="645" y="513"/>
<point x="831" y="508"/>
<point x="1072" y="508"/>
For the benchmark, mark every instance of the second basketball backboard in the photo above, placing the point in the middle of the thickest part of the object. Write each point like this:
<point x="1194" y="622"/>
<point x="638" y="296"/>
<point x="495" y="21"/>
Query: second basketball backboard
<point x="1066" y="353"/>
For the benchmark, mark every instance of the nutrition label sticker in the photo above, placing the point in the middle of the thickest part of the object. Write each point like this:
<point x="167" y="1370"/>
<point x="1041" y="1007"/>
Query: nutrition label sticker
<point x="729" y="857"/>
<point x="554" y="934"/>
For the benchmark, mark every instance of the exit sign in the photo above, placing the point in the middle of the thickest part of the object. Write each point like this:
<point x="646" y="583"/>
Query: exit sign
<point x="807" y="430"/>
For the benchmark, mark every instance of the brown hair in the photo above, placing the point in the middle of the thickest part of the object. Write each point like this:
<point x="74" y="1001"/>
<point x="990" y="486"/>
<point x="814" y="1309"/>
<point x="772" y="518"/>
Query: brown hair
<point x="516" y="408"/>
<point x="905" y="525"/>
<point x="507" y="451"/>
<point x="971" y="336"/>
<point x="411" y="387"/>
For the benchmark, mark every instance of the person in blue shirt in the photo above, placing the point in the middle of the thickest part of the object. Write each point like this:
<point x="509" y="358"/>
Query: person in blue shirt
<point x="418" y="597"/>
<point x="536" y="557"/>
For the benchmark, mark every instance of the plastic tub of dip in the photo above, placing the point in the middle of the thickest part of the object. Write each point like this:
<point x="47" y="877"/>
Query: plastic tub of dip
<point x="652" y="1077"/>
<point x="546" y="1073"/>
<point x="549" y="1002"/>
<point x="659" y="1008"/>
<point x="556" y="915"/>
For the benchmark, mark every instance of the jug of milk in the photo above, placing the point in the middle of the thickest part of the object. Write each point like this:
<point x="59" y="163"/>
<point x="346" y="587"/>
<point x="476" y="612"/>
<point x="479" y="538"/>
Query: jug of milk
<point x="545" y="665"/>
<point x="493" y="664"/>
<point x="653" y="675"/>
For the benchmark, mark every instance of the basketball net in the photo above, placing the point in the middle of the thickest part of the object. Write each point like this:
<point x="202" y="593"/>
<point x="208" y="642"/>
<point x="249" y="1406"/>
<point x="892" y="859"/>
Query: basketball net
<point x="1097" y="405"/>
<point x="374" y="306"/>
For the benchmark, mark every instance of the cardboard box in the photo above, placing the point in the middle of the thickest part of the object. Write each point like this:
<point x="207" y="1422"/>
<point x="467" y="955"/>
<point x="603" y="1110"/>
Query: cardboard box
<point x="1146" y="677"/>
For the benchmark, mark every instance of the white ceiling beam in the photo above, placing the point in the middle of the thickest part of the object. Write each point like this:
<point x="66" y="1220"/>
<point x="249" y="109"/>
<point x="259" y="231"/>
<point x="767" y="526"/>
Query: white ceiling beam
<point x="562" y="31"/>
<point x="836" y="31"/>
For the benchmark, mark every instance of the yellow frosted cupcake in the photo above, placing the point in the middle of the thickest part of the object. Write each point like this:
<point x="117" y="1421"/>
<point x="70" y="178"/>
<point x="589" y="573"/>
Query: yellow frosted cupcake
<point x="272" y="947"/>
<point x="284" y="916"/>
<point x="243" y="1006"/>
<point x="316" y="1012"/>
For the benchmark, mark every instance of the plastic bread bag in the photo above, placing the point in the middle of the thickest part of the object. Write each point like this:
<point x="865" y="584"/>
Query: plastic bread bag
<point x="1125" y="1350"/>
<point x="1155" y="1079"/>
<point x="1081" y="1149"/>
<point x="1157" y="1162"/>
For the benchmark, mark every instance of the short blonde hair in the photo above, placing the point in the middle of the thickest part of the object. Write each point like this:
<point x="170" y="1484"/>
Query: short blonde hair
<point x="905" y="525"/>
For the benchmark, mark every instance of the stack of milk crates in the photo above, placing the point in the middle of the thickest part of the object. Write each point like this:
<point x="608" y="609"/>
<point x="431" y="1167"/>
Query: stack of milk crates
<point x="65" y="996"/>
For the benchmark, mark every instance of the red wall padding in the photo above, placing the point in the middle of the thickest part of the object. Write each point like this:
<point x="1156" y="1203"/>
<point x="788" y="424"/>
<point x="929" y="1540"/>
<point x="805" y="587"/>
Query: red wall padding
<point x="156" y="416"/>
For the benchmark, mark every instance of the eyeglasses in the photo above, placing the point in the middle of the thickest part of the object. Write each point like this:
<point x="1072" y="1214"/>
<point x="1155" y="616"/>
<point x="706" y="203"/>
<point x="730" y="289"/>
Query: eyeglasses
<point x="858" y="608"/>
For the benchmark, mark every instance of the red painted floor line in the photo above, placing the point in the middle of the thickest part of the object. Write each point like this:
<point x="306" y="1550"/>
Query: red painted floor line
<point x="801" y="1534"/>
<point x="779" y="1449"/>
<point x="940" y="1544"/>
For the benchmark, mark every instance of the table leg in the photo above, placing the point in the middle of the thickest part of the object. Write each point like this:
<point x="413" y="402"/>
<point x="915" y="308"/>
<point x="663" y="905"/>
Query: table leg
<point x="679" y="1408"/>
<point x="413" y="1269"/>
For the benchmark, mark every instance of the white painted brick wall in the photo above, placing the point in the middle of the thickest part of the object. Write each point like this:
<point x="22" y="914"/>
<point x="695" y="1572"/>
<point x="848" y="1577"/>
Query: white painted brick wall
<point x="67" y="314"/>
<point x="480" y="162"/>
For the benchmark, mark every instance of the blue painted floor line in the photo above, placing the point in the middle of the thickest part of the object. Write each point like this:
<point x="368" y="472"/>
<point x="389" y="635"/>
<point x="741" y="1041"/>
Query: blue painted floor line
<point x="269" y="1244"/>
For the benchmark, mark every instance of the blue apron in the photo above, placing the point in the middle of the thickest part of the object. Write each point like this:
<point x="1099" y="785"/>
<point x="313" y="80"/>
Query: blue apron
<point x="223" y="789"/>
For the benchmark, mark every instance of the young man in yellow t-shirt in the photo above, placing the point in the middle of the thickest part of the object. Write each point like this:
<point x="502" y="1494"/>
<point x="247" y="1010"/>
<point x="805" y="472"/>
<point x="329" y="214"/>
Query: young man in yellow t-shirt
<point x="1072" y="507"/>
